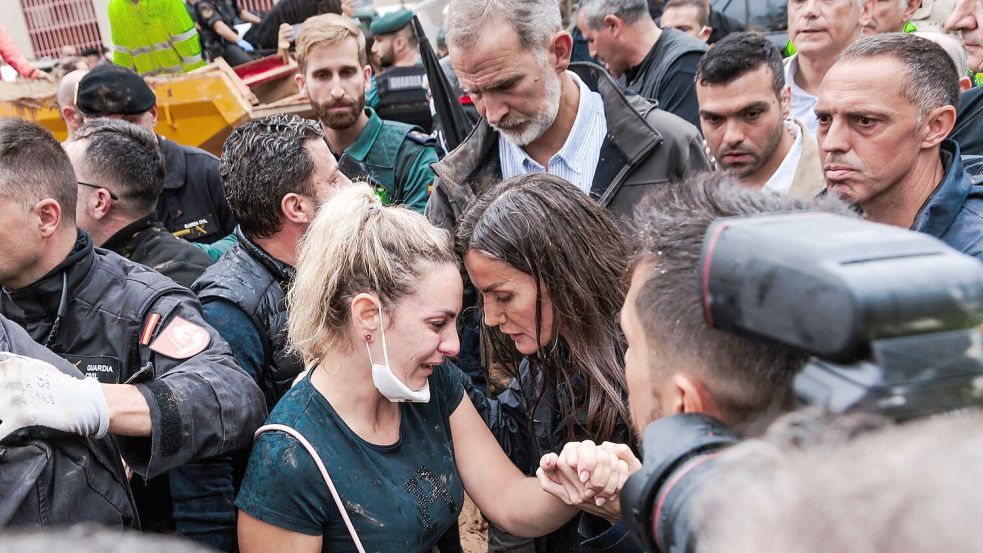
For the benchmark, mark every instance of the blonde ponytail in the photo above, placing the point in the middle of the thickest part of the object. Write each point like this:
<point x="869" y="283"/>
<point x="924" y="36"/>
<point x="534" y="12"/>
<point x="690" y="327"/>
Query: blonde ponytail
<point x="355" y="245"/>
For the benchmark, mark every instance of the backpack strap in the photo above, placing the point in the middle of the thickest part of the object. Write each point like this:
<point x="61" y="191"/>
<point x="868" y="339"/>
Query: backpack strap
<point x="324" y="473"/>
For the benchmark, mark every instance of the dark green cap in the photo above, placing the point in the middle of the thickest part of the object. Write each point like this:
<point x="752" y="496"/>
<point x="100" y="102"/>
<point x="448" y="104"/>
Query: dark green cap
<point x="391" y="22"/>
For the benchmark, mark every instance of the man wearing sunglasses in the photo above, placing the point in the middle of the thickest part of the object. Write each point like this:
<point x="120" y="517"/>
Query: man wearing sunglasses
<point x="120" y="171"/>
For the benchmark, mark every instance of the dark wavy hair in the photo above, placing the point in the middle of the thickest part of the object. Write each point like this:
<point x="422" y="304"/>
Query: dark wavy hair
<point x="547" y="228"/>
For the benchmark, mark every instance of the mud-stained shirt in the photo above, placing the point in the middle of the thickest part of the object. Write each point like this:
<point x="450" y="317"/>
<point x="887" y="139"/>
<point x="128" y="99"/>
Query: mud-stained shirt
<point x="400" y="497"/>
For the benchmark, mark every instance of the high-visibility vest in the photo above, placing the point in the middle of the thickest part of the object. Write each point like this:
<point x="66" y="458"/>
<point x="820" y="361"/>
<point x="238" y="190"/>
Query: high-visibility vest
<point x="154" y="36"/>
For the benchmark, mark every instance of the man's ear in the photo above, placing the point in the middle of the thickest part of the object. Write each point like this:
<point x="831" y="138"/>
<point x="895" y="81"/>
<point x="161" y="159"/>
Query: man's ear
<point x="910" y="9"/>
<point x="153" y="115"/>
<point x="293" y="208"/>
<point x="561" y="46"/>
<point x="367" y="77"/>
<point x="705" y="33"/>
<point x="786" y="101"/>
<point x="365" y="313"/>
<point x="614" y="23"/>
<point x="938" y="124"/>
<point x="866" y="12"/>
<point x="301" y="81"/>
<point x="692" y="396"/>
<point x="48" y="213"/>
<point x="102" y="203"/>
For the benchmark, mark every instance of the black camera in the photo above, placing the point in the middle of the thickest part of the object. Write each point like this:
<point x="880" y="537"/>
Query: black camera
<point x="888" y="315"/>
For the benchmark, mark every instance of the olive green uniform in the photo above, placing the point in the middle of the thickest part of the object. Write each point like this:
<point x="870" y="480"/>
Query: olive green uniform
<point x="397" y="157"/>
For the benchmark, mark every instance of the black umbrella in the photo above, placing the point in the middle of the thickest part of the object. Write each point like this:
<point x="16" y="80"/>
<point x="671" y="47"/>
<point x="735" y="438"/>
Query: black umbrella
<point x="453" y="120"/>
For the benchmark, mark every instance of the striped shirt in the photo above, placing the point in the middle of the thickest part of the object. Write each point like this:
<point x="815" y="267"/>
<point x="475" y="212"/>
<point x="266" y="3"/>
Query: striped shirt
<point x="577" y="159"/>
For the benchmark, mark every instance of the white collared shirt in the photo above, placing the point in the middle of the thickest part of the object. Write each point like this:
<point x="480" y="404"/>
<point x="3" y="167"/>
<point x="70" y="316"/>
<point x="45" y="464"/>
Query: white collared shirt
<point x="803" y="103"/>
<point x="781" y="180"/>
<point x="577" y="160"/>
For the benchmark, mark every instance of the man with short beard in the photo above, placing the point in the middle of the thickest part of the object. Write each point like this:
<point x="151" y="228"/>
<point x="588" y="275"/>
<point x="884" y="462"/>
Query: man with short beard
<point x="512" y="58"/>
<point x="335" y="74"/>
<point x="745" y="106"/>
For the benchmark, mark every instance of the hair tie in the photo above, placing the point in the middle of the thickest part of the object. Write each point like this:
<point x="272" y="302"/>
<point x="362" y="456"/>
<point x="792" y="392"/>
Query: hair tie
<point x="374" y="207"/>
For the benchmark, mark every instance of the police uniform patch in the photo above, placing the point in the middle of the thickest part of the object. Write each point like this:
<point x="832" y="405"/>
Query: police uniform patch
<point x="181" y="339"/>
<point x="194" y="228"/>
<point x="104" y="368"/>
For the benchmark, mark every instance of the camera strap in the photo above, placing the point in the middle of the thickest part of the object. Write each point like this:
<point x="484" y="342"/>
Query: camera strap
<point x="324" y="473"/>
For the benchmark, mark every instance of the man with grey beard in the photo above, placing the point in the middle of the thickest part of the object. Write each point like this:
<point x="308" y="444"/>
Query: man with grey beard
<point x="539" y="113"/>
<point x="542" y="114"/>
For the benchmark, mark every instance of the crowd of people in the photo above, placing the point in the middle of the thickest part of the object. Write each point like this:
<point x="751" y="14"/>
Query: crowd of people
<point x="363" y="291"/>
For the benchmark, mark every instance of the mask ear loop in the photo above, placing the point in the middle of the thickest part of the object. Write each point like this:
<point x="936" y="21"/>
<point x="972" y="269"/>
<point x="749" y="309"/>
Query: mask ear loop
<point x="385" y="348"/>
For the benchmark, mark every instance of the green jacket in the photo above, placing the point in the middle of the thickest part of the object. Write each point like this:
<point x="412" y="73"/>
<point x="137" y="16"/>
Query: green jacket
<point x="398" y="158"/>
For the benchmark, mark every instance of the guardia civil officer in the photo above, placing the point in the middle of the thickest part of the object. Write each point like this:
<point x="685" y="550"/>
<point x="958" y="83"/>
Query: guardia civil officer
<point x="401" y="85"/>
<point x="219" y="37"/>
<point x="192" y="205"/>
<point x="160" y="379"/>
<point x="335" y="73"/>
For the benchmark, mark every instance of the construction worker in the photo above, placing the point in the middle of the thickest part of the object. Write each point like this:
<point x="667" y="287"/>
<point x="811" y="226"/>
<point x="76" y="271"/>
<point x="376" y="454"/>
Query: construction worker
<point x="154" y="36"/>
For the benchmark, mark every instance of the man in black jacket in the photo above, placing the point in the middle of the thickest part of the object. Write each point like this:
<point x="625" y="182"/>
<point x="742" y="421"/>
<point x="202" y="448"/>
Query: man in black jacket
<point x="192" y="205"/>
<point x="120" y="173"/>
<point x="56" y="480"/>
<point x="161" y="380"/>
<point x="659" y="64"/>
<point x="278" y="171"/>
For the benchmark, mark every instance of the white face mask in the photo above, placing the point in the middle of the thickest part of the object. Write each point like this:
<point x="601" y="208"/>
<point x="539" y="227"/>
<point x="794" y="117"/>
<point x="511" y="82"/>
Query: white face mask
<point x="391" y="387"/>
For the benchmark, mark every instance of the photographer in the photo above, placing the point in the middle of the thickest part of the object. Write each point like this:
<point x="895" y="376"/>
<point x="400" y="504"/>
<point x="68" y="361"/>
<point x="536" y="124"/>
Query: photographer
<point x="675" y="363"/>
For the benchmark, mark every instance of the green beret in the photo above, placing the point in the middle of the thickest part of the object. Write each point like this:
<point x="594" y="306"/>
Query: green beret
<point x="391" y="22"/>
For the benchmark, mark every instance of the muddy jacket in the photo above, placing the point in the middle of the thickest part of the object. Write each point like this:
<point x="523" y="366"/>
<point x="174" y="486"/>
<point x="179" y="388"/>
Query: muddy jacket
<point x="146" y="241"/>
<point x="645" y="147"/>
<point x="201" y="403"/>
<point x="256" y="283"/>
<point x="49" y="479"/>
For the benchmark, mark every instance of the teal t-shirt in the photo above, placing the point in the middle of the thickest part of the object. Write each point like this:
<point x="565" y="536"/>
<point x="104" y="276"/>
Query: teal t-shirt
<point x="400" y="498"/>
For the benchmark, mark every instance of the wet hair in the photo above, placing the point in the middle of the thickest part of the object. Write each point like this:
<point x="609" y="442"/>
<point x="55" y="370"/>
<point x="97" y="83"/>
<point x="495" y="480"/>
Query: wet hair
<point x="746" y="376"/>
<point x="356" y="245"/>
<point x="126" y="159"/>
<point x="738" y="54"/>
<point x="930" y="79"/>
<point x="34" y="166"/>
<point x="328" y="29"/>
<point x="629" y="11"/>
<point x="702" y="17"/>
<point x="263" y="161"/>
<point x="534" y="21"/>
<point x="550" y="230"/>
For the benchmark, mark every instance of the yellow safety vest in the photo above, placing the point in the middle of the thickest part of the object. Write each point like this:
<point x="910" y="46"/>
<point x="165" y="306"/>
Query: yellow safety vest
<point x="154" y="36"/>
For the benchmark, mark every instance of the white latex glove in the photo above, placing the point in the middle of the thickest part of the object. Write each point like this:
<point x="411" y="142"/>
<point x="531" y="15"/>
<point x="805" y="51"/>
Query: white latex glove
<point x="35" y="393"/>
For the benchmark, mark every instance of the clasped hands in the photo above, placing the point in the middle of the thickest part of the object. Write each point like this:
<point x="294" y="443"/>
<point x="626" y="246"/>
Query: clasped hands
<point x="589" y="476"/>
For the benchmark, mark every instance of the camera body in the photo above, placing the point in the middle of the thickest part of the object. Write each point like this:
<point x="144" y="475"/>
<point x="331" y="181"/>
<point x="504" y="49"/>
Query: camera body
<point x="888" y="315"/>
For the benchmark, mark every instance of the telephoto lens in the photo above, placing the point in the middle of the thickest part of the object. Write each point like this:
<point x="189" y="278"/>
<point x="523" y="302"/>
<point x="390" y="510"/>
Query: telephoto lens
<point x="678" y="454"/>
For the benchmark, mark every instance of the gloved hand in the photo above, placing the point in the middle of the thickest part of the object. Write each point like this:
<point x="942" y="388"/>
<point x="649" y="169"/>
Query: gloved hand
<point x="244" y="45"/>
<point x="35" y="393"/>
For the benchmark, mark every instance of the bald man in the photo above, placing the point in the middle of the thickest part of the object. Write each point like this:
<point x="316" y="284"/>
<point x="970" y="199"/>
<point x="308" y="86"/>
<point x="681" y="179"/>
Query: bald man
<point x="66" y="101"/>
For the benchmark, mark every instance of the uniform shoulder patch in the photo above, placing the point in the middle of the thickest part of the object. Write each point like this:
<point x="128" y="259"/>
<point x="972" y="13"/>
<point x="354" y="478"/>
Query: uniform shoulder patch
<point x="181" y="339"/>
<point x="422" y="139"/>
